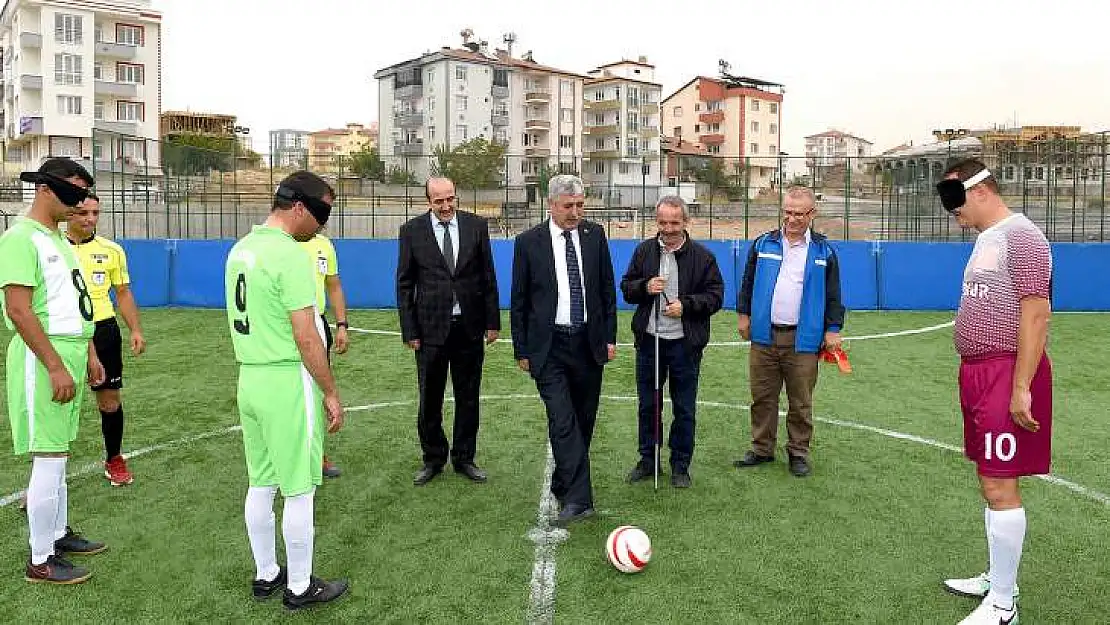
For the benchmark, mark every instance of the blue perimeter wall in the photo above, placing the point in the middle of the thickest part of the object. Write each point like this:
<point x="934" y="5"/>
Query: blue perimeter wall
<point x="874" y="276"/>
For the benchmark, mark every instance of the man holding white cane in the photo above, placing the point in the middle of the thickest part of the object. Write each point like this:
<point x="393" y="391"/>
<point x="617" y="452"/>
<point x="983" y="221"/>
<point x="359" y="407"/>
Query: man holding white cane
<point x="677" y="286"/>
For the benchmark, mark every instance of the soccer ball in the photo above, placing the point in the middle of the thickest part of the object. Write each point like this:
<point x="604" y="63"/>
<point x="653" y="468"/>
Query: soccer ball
<point x="628" y="549"/>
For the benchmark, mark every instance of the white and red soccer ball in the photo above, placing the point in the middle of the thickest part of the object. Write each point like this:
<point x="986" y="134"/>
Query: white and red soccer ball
<point x="628" y="549"/>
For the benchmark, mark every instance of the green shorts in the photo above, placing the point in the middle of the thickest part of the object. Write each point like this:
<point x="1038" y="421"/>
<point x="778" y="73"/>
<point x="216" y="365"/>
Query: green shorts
<point x="39" y="424"/>
<point x="282" y="414"/>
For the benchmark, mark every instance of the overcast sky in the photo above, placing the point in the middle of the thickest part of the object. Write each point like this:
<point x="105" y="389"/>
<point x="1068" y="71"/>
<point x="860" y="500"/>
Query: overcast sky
<point x="889" y="71"/>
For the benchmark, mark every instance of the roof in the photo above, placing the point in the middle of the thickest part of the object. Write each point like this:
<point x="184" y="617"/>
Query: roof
<point x="197" y="114"/>
<point x="498" y="59"/>
<point x="838" y="134"/>
<point x="724" y="84"/>
<point x="340" y="132"/>
<point x="936" y="148"/>
<point x="603" y="79"/>
<point x="628" y="62"/>
<point x="683" y="148"/>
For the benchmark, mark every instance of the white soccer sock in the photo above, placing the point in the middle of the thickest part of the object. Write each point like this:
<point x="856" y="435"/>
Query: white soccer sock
<point x="63" y="509"/>
<point x="1007" y="530"/>
<point x="261" y="529"/>
<point x="298" y="530"/>
<point x="990" y="538"/>
<point x="47" y="475"/>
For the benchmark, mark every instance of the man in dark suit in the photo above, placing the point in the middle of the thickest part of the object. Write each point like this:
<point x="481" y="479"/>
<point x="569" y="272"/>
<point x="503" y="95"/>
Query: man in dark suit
<point x="564" y="326"/>
<point x="447" y="301"/>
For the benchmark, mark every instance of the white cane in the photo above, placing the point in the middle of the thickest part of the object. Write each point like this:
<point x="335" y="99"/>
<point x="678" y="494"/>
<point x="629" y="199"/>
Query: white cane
<point x="658" y="387"/>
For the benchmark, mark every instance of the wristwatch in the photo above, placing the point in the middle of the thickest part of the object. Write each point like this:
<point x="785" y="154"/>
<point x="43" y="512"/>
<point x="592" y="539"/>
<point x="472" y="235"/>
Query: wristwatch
<point x="341" y="324"/>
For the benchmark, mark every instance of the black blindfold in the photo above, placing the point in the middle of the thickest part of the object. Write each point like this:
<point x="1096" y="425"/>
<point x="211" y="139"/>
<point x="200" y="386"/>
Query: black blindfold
<point x="953" y="192"/>
<point x="68" y="193"/>
<point x="318" y="208"/>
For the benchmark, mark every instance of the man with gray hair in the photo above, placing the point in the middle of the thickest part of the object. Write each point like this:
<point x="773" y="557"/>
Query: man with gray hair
<point x="564" y="327"/>
<point x="789" y="308"/>
<point x="677" y="287"/>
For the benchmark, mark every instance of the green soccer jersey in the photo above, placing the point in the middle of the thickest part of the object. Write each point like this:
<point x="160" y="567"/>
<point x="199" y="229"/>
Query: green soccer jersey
<point x="268" y="275"/>
<point x="33" y="255"/>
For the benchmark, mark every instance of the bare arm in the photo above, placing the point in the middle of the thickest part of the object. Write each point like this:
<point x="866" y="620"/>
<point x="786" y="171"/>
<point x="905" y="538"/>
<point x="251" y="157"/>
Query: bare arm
<point x="129" y="310"/>
<point x="336" y="297"/>
<point x="1032" y="338"/>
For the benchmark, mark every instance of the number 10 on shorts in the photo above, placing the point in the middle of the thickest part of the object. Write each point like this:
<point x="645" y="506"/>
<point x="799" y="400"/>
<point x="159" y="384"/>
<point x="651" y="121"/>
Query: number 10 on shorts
<point x="1003" y="447"/>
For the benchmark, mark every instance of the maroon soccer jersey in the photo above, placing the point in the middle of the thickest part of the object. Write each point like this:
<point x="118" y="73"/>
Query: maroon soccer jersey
<point x="1011" y="261"/>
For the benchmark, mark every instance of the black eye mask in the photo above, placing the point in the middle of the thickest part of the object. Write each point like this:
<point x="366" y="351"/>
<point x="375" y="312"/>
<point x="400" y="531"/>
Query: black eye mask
<point x="318" y="208"/>
<point x="953" y="193"/>
<point x="68" y="193"/>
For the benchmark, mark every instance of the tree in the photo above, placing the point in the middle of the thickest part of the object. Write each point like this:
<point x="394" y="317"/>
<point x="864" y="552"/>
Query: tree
<point x="365" y="163"/>
<point x="475" y="164"/>
<point x="191" y="154"/>
<point x="400" y="176"/>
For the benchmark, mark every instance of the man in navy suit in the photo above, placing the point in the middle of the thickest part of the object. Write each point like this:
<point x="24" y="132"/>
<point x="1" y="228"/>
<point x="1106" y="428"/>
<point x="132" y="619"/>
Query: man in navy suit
<point x="564" y="327"/>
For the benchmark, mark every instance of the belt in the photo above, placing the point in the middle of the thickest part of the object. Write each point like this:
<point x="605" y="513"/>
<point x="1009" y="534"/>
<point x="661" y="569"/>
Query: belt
<point x="784" y="328"/>
<point x="570" y="330"/>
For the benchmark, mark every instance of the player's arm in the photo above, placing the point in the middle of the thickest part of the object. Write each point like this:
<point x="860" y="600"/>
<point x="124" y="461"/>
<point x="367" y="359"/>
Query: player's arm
<point x="315" y="359"/>
<point x="129" y="310"/>
<point x="1031" y="275"/>
<point x="339" y="303"/>
<point x="17" y="301"/>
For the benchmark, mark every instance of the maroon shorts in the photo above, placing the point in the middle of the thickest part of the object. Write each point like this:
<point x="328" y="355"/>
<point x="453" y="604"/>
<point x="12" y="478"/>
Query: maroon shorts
<point x="992" y="440"/>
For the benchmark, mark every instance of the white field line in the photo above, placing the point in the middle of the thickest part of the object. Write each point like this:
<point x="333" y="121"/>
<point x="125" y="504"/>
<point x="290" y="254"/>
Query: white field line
<point x="541" y="598"/>
<point x="865" y="337"/>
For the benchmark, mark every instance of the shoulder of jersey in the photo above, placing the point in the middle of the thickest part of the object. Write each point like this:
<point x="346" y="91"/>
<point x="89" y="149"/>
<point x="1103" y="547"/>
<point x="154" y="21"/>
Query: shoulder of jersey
<point x="110" y="244"/>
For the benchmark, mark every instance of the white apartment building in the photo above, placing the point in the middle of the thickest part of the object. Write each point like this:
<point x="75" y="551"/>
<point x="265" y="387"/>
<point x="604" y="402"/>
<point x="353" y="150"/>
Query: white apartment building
<point x="622" y="130"/>
<point x="451" y="96"/>
<point x="288" y="148"/>
<point x="834" y="148"/>
<point x="72" y="66"/>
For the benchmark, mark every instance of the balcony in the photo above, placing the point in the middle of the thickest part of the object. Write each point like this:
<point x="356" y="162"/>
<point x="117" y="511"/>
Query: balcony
<point x="712" y="117"/>
<point x="30" y="81"/>
<point x="415" y="148"/>
<point x="712" y="139"/>
<point x="120" y="89"/>
<point x="409" y="120"/>
<point x="115" y="50"/>
<point x="611" y="129"/>
<point x="649" y="132"/>
<point x="602" y="105"/>
<point x="598" y="154"/>
<point x="408" y="92"/>
<point x="499" y="119"/>
<point x="647" y="108"/>
<point x="30" y="40"/>
<point x="537" y="125"/>
<point x="117" y="127"/>
<point x="535" y="151"/>
<point x="500" y="92"/>
<point x="537" y="96"/>
<point x="30" y="126"/>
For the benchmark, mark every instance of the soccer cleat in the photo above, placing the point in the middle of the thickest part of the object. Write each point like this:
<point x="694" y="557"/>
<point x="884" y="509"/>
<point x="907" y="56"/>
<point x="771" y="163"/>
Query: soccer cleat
<point x="989" y="614"/>
<point x="330" y="470"/>
<point x="56" y="570"/>
<point x="263" y="589"/>
<point x="73" y="542"/>
<point x="319" y="591"/>
<point x="976" y="587"/>
<point x="116" y="472"/>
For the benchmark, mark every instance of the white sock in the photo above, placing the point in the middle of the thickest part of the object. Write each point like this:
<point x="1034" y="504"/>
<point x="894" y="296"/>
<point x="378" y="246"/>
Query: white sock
<point x="47" y="475"/>
<point x="63" y="509"/>
<point x="261" y="529"/>
<point x="990" y="539"/>
<point x="298" y="529"/>
<point x="1007" y="530"/>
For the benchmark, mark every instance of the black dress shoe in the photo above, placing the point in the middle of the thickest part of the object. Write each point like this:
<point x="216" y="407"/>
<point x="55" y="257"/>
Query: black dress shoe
<point x="681" y="479"/>
<point x="425" y="475"/>
<point x="798" y="466"/>
<point x="571" y="513"/>
<point x="471" y="471"/>
<point x="752" y="459"/>
<point x="642" y="471"/>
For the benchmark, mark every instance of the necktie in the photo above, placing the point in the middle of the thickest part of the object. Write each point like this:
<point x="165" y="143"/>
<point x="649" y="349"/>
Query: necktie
<point x="448" y="247"/>
<point x="577" y="300"/>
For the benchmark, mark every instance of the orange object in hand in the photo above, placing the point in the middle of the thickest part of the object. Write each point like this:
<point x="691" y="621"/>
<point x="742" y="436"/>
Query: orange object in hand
<point x="838" y="357"/>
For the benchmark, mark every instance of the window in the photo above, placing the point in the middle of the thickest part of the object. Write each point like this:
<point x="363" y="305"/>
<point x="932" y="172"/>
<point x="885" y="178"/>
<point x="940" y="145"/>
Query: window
<point x="460" y="102"/>
<point x="566" y="90"/>
<point x="431" y="105"/>
<point x="431" y="134"/>
<point x="714" y="127"/>
<point x="633" y="147"/>
<point x="566" y="142"/>
<point x="98" y="110"/>
<point x="501" y="78"/>
<point x="566" y="115"/>
<point x="98" y="150"/>
<point x="67" y="28"/>
<point x="129" y="35"/>
<point x="773" y="149"/>
<point x="98" y="32"/>
<point x="774" y="108"/>
<point x="460" y="72"/>
<point x="755" y="148"/>
<point x="677" y="132"/>
<point x="599" y="144"/>
<point x="67" y="69"/>
<point x="599" y="167"/>
<point x="129" y="111"/>
<point x="599" y="95"/>
<point x="715" y="105"/>
<point x="677" y="111"/>
<point x="625" y="168"/>
<point x="69" y="105"/>
<point x="755" y="127"/>
<point x="501" y="135"/>
<point x="98" y="71"/>
<point x="131" y="149"/>
<point x="430" y="77"/>
<point x="633" y="123"/>
<point x="460" y="132"/>
<point x="128" y="73"/>
<point x="633" y="97"/>
<point x="773" y="129"/>
<point x="714" y="149"/>
<point x="599" y="119"/>
<point x="697" y="128"/>
<point x="755" y="105"/>
<point x="501" y="108"/>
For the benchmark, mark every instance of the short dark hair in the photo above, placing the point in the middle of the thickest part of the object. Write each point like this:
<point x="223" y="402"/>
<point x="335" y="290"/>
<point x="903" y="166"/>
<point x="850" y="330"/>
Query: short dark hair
<point x="305" y="183"/>
<point x="63" y="167"/>
<point x="93" y="196"/>
<point x="968" y="167"/>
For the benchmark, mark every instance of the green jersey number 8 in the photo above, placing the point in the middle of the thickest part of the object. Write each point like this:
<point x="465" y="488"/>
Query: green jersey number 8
<point x="84" y="300"/>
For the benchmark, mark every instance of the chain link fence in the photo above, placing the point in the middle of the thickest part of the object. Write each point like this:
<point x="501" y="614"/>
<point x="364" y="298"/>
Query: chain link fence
<point x="152" y="189"/>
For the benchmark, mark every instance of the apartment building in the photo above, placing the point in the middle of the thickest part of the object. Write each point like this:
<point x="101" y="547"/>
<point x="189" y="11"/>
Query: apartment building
<point x="835" y="150"/>
<point x="621" y="129"/>
<point x="288" y="148"/>
<point x="74" y="66"/>
<point x="453" y="95"/>
<point x="327" y="147"/>
<point x="737" y="119"/>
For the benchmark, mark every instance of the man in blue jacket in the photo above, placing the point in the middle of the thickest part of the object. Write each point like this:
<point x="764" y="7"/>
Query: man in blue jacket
<point x="789" y="307"/>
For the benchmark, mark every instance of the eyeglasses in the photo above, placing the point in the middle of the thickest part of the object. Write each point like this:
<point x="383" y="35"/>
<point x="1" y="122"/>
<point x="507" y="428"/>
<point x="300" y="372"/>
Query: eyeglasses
<point x="796" y="215"/>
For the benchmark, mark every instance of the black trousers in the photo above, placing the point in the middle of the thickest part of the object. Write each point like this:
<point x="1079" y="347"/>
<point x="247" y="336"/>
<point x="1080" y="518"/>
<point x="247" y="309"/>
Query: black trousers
<point x="463" y="357"/>
<point x="570" y="385"/>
